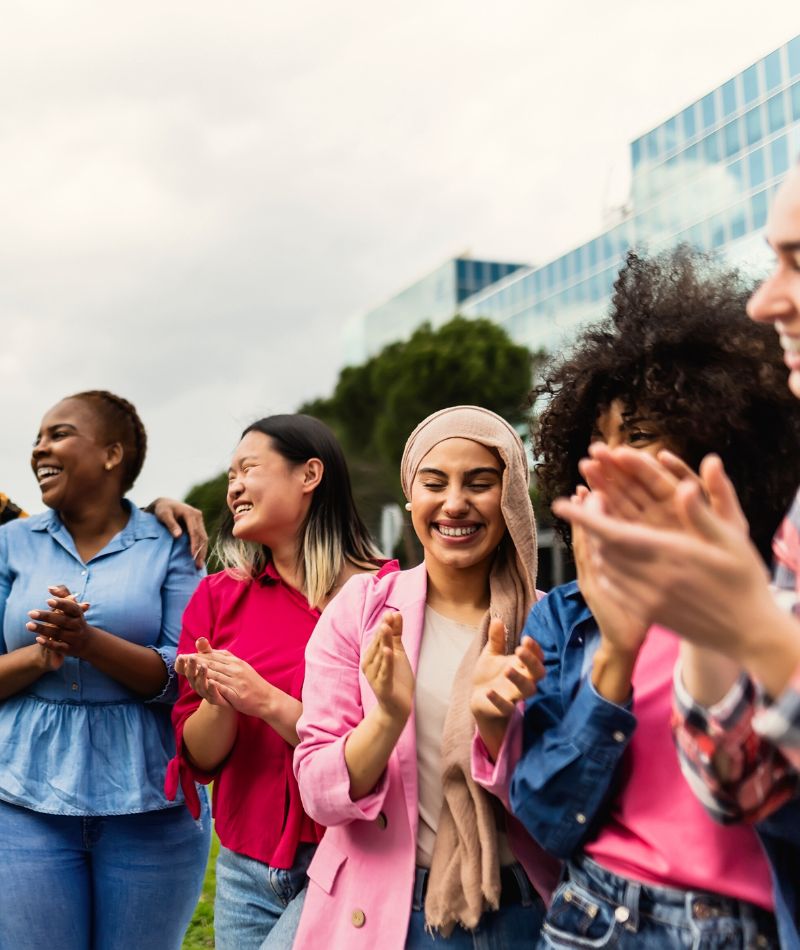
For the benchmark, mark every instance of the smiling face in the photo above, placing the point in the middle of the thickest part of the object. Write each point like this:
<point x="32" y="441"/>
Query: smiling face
<point x="455" y="504"/>
<point x="777" y="300"/>
<point x="70" y="454"/>
<point x="614" y="428"/>
<point x="268" y="496"/>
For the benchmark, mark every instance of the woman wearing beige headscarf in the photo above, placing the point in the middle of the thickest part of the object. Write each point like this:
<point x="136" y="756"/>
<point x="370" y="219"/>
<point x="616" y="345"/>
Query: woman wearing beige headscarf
<point x="415" y="849"/>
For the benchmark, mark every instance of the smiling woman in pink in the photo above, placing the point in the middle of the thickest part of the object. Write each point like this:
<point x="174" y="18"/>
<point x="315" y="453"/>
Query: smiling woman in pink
<point x="293" y="537"/>
<point x="415" y="850"/>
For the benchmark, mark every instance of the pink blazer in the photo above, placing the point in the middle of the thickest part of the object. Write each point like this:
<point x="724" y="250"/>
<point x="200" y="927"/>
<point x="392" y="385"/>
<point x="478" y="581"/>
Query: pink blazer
<point x="362" y="875"/>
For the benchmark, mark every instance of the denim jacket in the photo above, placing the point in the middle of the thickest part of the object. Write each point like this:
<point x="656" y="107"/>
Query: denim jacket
<point x="573" y="738"/>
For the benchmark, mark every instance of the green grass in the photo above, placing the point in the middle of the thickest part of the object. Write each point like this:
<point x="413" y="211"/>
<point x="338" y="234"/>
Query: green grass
<point x="200" y="934"/>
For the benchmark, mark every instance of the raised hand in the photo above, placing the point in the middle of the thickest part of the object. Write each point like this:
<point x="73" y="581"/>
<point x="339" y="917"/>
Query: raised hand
<point x="387" y="669"/>
<point x="500" y="680"/>
<point x="194" y="666"/>
<point x="238" y="683"/>
<point x="622" y="630"/>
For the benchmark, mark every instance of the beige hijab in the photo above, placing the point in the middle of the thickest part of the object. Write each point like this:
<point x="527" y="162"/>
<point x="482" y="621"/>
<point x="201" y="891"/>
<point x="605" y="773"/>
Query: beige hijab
<point x="465" y="873"/>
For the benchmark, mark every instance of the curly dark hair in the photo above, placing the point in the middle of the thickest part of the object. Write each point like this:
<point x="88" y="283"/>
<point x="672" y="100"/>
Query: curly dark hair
<point x="678" y="349"/>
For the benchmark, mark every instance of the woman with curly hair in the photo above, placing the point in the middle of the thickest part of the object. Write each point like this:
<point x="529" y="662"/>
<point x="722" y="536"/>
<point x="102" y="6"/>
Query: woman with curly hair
<point x="677" y="366"/>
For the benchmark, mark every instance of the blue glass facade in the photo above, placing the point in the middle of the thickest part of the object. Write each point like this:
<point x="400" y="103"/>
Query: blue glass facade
<point x="436" y="297"/>
<point x="704" y="176"/>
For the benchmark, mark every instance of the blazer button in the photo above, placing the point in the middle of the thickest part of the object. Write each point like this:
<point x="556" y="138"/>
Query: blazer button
<point x="381" y="821"/>
<point x="358" y="918"/>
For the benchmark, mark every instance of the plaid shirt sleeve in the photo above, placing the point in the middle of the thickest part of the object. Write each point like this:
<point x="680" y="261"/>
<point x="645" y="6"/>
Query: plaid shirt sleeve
<point x="741" y="757"/>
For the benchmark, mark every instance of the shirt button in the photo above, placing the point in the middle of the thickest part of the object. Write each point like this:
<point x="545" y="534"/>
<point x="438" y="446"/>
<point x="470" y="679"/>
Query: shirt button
<point x="381" y="821"/>
<point x="83" y="573"/>
<point x="619" y="736"/>
<point x="358" y="918"/>
<point x="580" y="818"/>
<point x="621" y="914"/>
<point x="74" y="686"/>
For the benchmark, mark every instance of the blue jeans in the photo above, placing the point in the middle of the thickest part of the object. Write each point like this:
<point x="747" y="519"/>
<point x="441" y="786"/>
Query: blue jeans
<point x="125" y="882"/>
<point x="595" y="908"/>
<point x="512" y="927"/>
<point x="257" y="905"/>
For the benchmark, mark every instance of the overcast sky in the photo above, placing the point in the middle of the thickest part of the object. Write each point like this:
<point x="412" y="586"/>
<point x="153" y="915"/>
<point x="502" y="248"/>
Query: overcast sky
<point x="194" y="198"/>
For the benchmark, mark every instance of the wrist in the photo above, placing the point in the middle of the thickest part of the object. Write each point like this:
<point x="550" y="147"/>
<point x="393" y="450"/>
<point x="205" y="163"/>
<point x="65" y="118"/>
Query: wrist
<point x="770" y="652"/>
<point x="612" y="672"/>
<point x="392" y="721"/>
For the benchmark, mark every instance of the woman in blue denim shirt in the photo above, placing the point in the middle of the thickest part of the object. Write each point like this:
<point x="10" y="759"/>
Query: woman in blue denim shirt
<point x="91" y="597"/>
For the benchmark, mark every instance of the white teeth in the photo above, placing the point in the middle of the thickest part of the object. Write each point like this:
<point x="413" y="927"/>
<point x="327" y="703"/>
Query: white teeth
<point x="46" y="471"/>
<point x="791" y="344"/>
<point x="239" y="509"/>
<point x="449" y="532"/>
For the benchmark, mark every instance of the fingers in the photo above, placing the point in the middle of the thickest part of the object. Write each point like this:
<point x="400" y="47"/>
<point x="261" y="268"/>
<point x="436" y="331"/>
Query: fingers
<point x="721" y="493"/>
<point x="164" y="510"/>
<point x="497" y="636"/>
<point x="196" y="529"/>
<point x="674" y="465"/>
<point x="203" y="646"/>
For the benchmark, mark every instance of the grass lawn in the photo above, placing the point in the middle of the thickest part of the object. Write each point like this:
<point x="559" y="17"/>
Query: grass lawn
<point x="200" y="934"/>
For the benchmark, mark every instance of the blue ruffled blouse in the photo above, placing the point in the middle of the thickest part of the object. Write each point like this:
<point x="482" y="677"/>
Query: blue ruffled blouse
<point x="77" y="742"/>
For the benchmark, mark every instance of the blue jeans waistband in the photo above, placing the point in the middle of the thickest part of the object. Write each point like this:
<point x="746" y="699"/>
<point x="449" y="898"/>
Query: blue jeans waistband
<point x="515" y="888"/>
<point x="667" y="903"/>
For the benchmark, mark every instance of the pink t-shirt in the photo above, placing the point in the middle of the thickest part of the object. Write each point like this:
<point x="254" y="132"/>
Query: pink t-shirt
<point x="657" y="831"/>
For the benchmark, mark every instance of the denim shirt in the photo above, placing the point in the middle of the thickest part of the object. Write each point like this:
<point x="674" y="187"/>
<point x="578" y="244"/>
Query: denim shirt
<point x="76" y="741"/>
<point x="573" y="738"/>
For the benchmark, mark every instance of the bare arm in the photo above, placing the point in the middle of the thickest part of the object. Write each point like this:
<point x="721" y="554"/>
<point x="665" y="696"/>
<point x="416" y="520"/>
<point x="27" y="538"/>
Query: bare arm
<point x="22" y="667"/>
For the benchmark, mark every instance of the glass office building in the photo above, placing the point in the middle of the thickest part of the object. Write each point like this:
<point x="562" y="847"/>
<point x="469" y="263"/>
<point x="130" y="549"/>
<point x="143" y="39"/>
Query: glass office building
<point x="705" y="176"/>
<point x="435" y="298"/>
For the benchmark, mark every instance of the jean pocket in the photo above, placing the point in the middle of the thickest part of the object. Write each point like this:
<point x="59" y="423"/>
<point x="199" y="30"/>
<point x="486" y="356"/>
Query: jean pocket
<point x="577" y="918"/>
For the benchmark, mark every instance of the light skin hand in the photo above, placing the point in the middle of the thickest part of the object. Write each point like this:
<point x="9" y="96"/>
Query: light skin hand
<point x="705" y="581"/>
<point x="172" y="514"/>
<point x="210" y="732"/>
<point x="622" y="633"/>
<point x="194" y="666"/>
<point x="388" y="671"/>
<point x="500" y="681"/>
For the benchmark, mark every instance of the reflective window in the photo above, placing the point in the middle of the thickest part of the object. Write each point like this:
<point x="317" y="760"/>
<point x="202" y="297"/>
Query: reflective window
<point x="758" y="205"/>
<point x="592" y="251"/>
<point x="755" y="164"/>
<point x="496" y="271"/>
<point x="776" y="117"/>
<point x="717" y="230"/>
<point x="536" y="278"/>
<point x="562" y="269"/>
<point x="779" y="155"/>
<point x="796" y="101"/>
<point x="738" y="221"/>
<point x="697" y="236"/>
<point x="636" y="151"/>
<point x="550" y="276"/>
<point x="596" y="287"/>
<point x="652" y="144"/>
<point x="670" y="134"/>
<point x="577" y="263"/>
<point x="689" y="122"/>
<point x="691" y="153"/>
<point x="794" y="56"/>
<point x="772" y="70"/>
<point x="750" y="83"/>
<point x="608" y="247"/>
<point x="736" y="169"/>
<point x="729" y="97"/>
<point x="711" y="149"/>
<point x="752" y="123"/>
<point x="708" y="110"/>
<point x="732" y="138"/>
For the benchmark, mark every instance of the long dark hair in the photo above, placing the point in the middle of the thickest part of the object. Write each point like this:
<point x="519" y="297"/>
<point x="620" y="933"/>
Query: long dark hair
<point x="333" y="532"/>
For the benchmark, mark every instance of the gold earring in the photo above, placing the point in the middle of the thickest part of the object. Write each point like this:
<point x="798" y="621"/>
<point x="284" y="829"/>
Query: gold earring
<point x="109" y="466"/>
